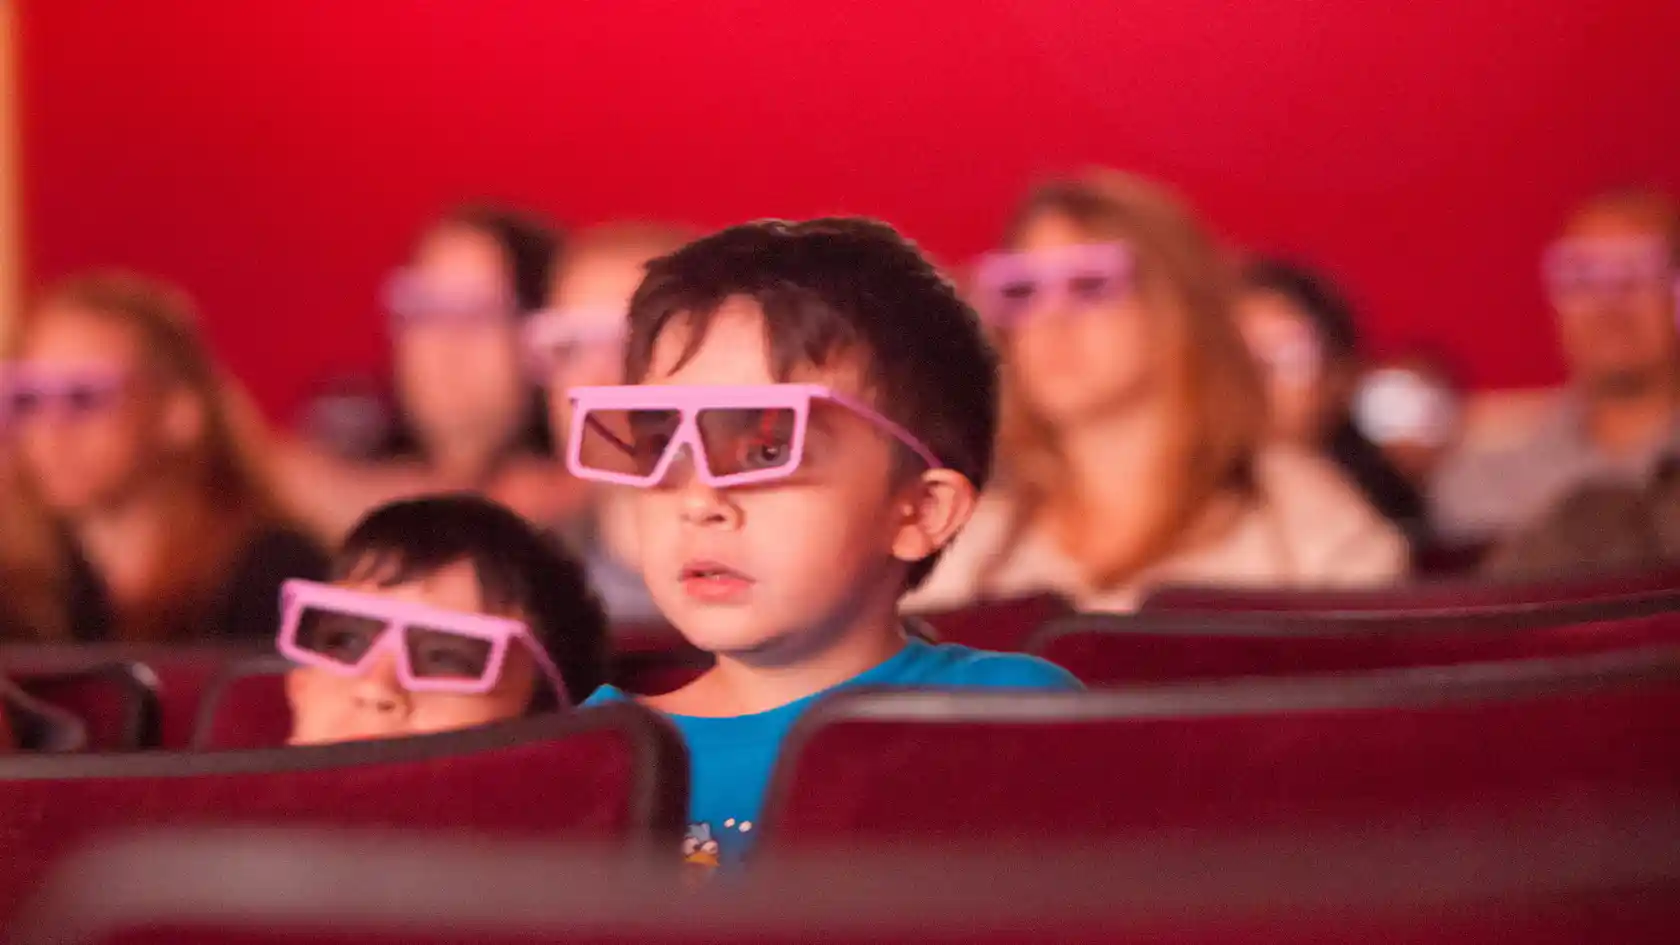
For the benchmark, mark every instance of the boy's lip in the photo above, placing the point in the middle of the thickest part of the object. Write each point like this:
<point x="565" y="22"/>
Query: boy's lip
<point x="713" y="582"/>
<point x="709" y="568"/>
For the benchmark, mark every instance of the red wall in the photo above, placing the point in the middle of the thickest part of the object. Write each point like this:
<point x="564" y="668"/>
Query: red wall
<point x="277" y="155"/>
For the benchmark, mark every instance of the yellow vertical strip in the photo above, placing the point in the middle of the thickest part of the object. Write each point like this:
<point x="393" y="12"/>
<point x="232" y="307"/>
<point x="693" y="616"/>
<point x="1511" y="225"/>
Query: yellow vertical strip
<point x="11" y="236"/>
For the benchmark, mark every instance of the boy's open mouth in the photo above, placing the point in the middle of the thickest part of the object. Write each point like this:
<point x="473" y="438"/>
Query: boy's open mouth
<point x="713" y="582"/>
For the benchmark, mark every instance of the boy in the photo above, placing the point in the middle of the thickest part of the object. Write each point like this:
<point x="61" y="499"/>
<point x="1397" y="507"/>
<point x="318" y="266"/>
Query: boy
<point x="444" y="613"/>
<point x="811" y="419"/>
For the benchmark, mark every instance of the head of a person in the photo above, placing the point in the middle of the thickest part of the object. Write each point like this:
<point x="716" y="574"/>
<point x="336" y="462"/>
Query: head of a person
<point x="1300" y="328"/>
<point x="1411" y="407"/>
<point x="578" y="340"/>
<point x="444" y="613"/>
<point x="1110" y="301"/>
<point x="1612" y="277"/>
<point x="457" y="311"/>
<point x="830" y="362"/>
<point x="113" y="395"/>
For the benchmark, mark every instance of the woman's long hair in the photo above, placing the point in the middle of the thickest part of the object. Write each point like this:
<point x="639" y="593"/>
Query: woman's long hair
<point x="217" y="489"/>
<point x="1209" y="381"/>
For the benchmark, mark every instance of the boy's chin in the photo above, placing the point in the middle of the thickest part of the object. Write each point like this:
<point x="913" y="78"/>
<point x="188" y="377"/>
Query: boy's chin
<point x="728" y="632"/>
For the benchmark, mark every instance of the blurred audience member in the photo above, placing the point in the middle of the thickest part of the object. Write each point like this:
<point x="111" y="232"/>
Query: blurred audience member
<point x="1131" y="449"/>
<point x="579" y="341"/>
<point x="1611" y="278"/>
<point x="1410" y="407"/>
<point x="469" y="415"/>
<point x="1600" y="526"/>
<point x="445" y="612"/>
<point x="1302" y="332"/>
<point x="32" y="566"/>
<point x="129" y="438"/>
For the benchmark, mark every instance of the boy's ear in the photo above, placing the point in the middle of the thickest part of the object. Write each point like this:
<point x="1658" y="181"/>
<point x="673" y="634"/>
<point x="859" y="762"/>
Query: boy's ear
<point x="931" y="512"/>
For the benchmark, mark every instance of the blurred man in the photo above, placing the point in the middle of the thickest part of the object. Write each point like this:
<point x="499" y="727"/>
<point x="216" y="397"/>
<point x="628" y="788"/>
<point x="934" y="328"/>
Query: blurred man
<point x="1612" y="280"/>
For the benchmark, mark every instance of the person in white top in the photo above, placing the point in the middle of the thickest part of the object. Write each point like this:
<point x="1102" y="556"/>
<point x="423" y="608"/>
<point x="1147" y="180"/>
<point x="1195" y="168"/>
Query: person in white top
<point x="1132" y="445"/>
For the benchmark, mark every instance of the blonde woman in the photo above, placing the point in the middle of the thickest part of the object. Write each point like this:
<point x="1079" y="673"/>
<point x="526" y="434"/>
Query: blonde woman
<point x="1132" y="447"/>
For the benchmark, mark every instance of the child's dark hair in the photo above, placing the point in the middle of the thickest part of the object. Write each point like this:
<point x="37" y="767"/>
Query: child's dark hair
<point x="1318" y="298"/>
<point x="519" y="571"/>
<point x="841" y="288"/>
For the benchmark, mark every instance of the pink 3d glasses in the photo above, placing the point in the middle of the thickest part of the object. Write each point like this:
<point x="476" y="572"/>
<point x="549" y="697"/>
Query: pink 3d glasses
<point x="737" y="436"/>
<point x="435" y="650"/>
<point x="1596" y="267"/>
<point x="28" y="391"/>
<point x="1010" y="285"/>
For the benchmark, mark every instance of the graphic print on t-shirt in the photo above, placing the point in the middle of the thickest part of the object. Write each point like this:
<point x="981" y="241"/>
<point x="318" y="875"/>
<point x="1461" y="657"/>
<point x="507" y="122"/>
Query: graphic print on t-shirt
<point x="703" y="848"/>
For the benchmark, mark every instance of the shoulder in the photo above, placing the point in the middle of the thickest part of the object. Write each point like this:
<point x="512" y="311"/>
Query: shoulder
<point x="605" y="694"/>
<point x="950" y="664"/>
<point x="1329" y="526"/>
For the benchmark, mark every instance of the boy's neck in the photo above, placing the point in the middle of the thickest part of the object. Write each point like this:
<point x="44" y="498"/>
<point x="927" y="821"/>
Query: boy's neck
<point x="746" y="684"/>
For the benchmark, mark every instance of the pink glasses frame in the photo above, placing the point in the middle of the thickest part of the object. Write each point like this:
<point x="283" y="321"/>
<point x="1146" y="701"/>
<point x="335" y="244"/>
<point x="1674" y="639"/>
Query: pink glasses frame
<point x="1050" y="269"/>
<point x="688" y="401"/>
<point x="1646" y="257"/>
<point x="550" y="328"/>
<point x="297" y="595"/>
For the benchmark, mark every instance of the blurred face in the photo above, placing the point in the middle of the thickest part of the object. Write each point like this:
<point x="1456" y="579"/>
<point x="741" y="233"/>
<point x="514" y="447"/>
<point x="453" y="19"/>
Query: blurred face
<point x="91" y="424"/>
<point x="587" y="310"/>
<point x="1075" y="359"/>
<point x="1612" y="282"/>
<point x="329" y="707"/>
<point x="766" y="572"/>
<point x="457" y="342"/>
<point x="1299" y="390"/>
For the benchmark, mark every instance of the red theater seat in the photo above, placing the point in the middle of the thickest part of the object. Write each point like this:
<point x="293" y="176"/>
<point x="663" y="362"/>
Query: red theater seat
<point x="1559" y="883"/>
<point x="1417" y="744"/>
<point x="615" y="773"/>
<point x="245" y="707"/>
<point x="995" y="625"/>
<point x="1566" y="598"/>
<point x="182" y="674"/>
<point x="117" y="702"/>
<point x="1111" y="649"/>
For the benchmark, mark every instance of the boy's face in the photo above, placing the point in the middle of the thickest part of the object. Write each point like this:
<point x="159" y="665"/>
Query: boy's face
<point x="328" y="707"/>
<point x="764" y="572"/>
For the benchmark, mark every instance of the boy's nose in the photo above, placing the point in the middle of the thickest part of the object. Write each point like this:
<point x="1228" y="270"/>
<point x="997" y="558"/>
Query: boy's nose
<point x="379" y="690"/>
<point x="702" y="503"/>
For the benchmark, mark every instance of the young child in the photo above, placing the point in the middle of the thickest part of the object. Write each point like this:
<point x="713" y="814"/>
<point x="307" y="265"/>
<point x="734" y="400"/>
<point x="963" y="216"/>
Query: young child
<point x="444" y="613"/>
<point x="811" y="415"/>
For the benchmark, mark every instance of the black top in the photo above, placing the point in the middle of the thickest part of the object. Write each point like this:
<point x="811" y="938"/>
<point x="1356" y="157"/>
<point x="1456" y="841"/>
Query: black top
<point x="247" y="603"/>
<point x="1391" y="493"/>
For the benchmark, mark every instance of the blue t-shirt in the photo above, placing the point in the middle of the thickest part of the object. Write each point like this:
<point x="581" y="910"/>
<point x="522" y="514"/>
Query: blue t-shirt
<point x="731" y="757"/>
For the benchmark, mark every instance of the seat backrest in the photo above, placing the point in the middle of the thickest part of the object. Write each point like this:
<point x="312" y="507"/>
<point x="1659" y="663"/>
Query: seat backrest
<point x="117" y="702"/>
<point x="995" y="625"/>
<point x="1590" y="597"/>
<point x="1112" y="649"/>
<point x="182" y="673"/>
<point x="1540" y="883"/>
<point x="1003" y="766"/>
<point x="618" y="772"/>
<point x="245" y="707"/>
